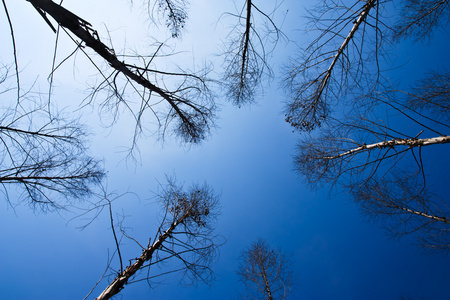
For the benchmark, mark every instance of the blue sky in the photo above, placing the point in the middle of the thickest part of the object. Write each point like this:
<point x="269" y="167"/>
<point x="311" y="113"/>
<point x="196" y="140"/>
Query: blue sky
<point x="248" y="160"/>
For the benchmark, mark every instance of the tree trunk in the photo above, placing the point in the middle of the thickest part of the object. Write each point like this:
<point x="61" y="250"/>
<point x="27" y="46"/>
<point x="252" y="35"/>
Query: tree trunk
<point x="392" y="143"/>
<point x="121" y="280"/>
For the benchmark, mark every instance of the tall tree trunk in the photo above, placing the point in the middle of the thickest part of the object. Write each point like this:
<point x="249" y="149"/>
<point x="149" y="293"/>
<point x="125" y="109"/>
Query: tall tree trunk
<point x="121" y="280"/>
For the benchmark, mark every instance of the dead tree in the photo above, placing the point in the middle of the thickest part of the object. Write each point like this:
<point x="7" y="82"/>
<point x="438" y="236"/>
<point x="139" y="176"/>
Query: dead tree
<point x="420" y="18"/>
<point x="383" y="167"/>
<point x="246" y="53"/>
<point x="43" y="157"/>
<point x="403" y="206"/>
<point x="343" y="61"/>
<point x="367" y="150"/>
<point x="334" y="63"/>
<point x="190" y="110"/>
<point x="185" y="235"/>
<point x="174" y="12"/>
<point x="266" y="273"/>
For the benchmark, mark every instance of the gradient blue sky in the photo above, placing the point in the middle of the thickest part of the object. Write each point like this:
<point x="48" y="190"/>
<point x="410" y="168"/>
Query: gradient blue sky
<point x="248" y="160"/>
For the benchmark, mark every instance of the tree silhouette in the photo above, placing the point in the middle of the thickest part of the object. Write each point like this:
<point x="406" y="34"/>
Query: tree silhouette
<point x="174" y="13"/>
<point x="420" y="18"/>
<point x="191" y="108"/>
<point x="356" y="117"/>
<point x="246" y="53"/>
<point x="185" y="234"/>
<point x="266" y="273"/>
<point x="336" y="61"/>
<point x="43" y="156"/>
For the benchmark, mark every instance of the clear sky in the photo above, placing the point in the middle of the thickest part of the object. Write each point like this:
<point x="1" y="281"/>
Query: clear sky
<point x="248" y="160"/>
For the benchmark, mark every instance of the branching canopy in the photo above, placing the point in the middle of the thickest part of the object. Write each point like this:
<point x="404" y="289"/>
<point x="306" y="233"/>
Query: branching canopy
<point x="184" y="236"/>
<point x="266" y="273"/>
<point x="43" y="155"/>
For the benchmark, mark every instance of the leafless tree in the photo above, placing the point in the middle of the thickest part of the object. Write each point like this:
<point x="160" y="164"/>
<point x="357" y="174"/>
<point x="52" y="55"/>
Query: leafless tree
<point x="373" y="143"/>
<point x="185" y="235"/>
<point x="265" y="272"/>
<point x="343" y="61"/>
<point x="43" y="156"/>
<point x="174" y="13"/>
<point x="431" y="95"/>
<point x="335" y="63"/>
<point x="181" y="101"/>
<point x="384" y="166"/>
<point x="404" y="206"/>
<point x="421" y="17"/>
<point x="246" y="53"/>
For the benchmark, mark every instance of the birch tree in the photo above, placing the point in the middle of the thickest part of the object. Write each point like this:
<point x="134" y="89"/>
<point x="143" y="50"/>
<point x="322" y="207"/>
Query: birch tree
<point x="266" y="273"/>
<point x="384" y="169"/>
<point x="365" y="134"/>
<point x="421" y="18"/>
<point x="185" y="235"/>
<point x="335" y="63"/>
<point x="181" y="102"/>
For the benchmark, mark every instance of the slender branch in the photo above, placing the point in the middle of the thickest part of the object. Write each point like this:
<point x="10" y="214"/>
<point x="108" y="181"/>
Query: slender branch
<point x="16" y="63"/>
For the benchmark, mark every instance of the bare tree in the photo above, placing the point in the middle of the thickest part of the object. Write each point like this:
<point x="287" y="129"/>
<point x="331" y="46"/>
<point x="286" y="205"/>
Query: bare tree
<point x="404" y="206"/>
<point x="373" y="143"/>
<point x="383" y="167"/>
<point x="343" y="61"/>
<point x="265" y="272"/>
<point x="335" y="63"/>
<point x="174" y="12"/>
<point x="421" y="17"/>
<point x="246" y="53"/>
<point x="431" y="95"/>
<point x="189" y="109"/>
<point x="185" y="235"/>
<point x="44" y="156"/>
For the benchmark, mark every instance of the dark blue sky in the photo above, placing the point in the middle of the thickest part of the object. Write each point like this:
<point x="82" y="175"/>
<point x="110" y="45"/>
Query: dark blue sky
<point x="248" y="159"/>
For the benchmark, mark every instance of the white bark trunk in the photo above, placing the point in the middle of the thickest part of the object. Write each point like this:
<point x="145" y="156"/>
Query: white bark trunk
<point x="358" y="22"/>
<point x="392" y="143"/>
<point x="440" y="219"/>
<point x="121" y="280"/>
